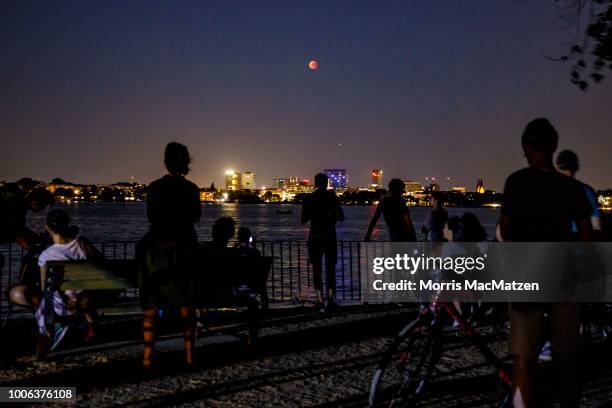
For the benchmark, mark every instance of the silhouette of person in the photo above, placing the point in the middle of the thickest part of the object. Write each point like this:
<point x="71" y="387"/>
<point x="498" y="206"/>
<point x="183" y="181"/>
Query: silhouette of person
<point x="434" y="223"/>
<point x="568" y="165"/>
<point x="245" y="244"/>
<point x="168" y="250"/>
<point x="540" y="205"/>
<point x="322" y="209"/>
<point x="223" y="231"/>
<point x="395" y="211"/>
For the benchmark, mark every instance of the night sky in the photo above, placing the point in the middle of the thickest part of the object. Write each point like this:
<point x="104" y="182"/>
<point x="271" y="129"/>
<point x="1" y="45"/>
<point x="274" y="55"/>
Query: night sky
<point x="92" y="91"/>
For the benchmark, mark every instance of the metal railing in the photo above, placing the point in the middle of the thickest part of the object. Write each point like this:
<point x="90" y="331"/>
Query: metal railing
<point x="290" y="276"/>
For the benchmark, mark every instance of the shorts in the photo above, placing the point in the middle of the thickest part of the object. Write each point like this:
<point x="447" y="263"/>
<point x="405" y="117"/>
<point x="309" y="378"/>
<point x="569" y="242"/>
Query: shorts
<point x="317" y="247"/>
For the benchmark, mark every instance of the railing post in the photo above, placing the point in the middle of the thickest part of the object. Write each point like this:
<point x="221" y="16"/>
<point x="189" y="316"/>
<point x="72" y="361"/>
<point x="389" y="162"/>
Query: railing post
<point x="273" y="269"/>
<point x="351" y="267"/>
<point x="282" y="272"/>
<point x="290" y="271"/>
<point x="342" y="269"/>
<point x="359" y="269"/>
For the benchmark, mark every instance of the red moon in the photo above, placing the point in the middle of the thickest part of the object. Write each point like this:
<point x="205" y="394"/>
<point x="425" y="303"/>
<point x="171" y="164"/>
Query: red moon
<point x="313" y="64"/>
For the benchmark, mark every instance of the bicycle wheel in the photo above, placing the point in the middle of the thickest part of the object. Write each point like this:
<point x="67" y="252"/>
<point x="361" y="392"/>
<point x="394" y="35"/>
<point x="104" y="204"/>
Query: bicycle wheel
<point x="412" y="350"/>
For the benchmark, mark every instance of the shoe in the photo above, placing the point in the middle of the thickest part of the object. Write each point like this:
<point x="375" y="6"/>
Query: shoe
<point x="331" y="305"/>
<point x="320" y="307"/>
<point x="58" y="336"/>
<point x="545" y="354"/>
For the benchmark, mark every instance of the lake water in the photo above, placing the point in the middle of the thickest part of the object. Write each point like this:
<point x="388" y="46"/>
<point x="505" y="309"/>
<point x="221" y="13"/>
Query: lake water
<point x="128" y="222"/>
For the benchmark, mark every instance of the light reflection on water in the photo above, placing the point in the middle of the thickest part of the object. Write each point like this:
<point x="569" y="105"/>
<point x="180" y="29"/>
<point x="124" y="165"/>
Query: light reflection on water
<point x="127" y="222"/>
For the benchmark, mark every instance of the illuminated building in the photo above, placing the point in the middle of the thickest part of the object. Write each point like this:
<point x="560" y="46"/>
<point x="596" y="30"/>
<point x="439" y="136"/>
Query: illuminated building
<point x="412" y="187"/>
<point x="248" y="180"/>
<point x="293" y="185"/>
<point x="233" y="180"/>
<point x="338" y="178"/>
<point x="377" y="175"/>
<point x="480" y="189"/>
<point x="459" y="189"/>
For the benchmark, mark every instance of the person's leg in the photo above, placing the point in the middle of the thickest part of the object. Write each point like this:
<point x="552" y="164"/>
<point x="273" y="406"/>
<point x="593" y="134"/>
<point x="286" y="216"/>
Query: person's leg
<point x="189" y="326"/>
<point x="331" y="255"/>
<point x="526" y="328"/>
<point x="315" y="254"/>
<point x="565" y="338"/>
<point x="18" y="294"/>
<point x="88" y="312"/>
<point x="148" y="334"/>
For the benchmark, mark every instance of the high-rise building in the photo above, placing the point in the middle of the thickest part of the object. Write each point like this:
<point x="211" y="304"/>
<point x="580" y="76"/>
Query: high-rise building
<point x="248" y="180"/>
<point x="338" y="178"/>
<point x="377" y="175"/>
<point x="233" y="180"/>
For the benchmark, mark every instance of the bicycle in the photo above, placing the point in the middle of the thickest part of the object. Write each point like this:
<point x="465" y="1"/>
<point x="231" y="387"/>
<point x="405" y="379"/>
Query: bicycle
<point x="418" y="347"/>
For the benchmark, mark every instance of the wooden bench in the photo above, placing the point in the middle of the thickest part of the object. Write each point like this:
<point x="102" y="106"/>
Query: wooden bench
<point x="224" y="282"/>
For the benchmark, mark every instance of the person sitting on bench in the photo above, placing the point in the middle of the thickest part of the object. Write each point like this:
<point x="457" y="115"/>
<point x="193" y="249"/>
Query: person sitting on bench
<point x="67" y="246"/>
<point x="245" y="245"/>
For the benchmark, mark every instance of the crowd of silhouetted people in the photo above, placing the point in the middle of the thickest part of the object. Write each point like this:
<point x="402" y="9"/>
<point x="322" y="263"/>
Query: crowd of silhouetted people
<point x="541" y="203"/>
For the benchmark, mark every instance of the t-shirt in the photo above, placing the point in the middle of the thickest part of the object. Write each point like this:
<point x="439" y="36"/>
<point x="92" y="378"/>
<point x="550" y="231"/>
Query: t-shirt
<point x="322" y="208"/>
<point x="74" y="250"/>
<point x="592" y="198"/>
<point x="394" y="210"/>
<point x="173" y="207"/>
<point x="434" y="225"/>
<point x="542" y="205"/>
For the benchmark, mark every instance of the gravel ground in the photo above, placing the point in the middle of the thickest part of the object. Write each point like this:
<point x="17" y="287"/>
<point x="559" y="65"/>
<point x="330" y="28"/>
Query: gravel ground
<point x="304" y="359"/>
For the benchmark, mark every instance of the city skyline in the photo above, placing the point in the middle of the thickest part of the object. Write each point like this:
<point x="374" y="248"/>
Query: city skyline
<point x="93" y="92"/>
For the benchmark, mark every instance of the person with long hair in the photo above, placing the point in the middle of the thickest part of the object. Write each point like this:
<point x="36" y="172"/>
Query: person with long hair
<point x="436" y="218"/>
<point x="168" y="252"/>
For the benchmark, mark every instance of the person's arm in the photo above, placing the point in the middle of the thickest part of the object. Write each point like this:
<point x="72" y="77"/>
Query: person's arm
<point x="339" y="211"/>
<point x="152" y="204"/>
<point x="583" y="210"/>
<point x="43" y="277"/>
<point x="373" y="222"/>
<point x="508" y="208"/>
<point x="428" y="223"/>
<point x="409" y="223"/>
<point x="196" y="210"/>
<point x="305" y="216"/>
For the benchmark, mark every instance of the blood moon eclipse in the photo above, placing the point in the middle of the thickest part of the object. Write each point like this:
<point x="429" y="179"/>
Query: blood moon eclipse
<point x="313" y="64"/>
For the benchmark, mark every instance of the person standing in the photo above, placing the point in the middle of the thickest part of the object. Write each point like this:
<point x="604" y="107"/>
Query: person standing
<point x="395" y="211"/>
<point x="322" y="209"/>
<point x="16" y="199"/>
<point x="568" y="165"/>
<point x="168" y="252"/>
<point x="434" y="223"/>
<point x="541" y="205"/>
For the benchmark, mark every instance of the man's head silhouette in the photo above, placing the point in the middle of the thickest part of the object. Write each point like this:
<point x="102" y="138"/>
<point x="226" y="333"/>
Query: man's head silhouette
<point x="396" y="187"/>
<point x="321" y="181"/>
<point x="539" y="141"/>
